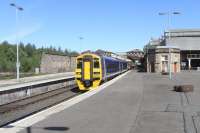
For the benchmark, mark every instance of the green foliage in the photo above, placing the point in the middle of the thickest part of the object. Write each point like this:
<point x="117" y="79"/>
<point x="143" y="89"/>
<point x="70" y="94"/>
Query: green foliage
<point x="29" y="55"/>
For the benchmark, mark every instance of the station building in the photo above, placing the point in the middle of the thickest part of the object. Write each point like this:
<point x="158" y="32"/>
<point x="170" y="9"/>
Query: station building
<point x="180" y="47"/>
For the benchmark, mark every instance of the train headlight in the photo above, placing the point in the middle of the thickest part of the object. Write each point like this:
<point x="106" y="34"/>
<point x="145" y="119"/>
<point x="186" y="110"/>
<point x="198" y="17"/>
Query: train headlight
<point x="78" y="73"/>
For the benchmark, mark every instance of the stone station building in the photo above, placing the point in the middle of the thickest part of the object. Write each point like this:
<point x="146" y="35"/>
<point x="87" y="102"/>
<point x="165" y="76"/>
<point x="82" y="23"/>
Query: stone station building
<point x="184" y="46"/>
<point x="158" y="59"/>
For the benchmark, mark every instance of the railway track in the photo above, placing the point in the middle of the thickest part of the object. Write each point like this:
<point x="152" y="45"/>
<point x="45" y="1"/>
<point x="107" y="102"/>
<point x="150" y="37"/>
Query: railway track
<point x="21" y="108"/>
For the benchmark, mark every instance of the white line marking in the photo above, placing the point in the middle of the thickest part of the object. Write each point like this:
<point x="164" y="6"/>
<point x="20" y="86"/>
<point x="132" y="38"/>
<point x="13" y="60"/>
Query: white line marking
<point x="35" y="118"/>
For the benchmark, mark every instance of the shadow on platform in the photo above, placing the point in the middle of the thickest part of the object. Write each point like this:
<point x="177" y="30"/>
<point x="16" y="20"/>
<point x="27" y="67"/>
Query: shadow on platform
<point x="29" y="129"/>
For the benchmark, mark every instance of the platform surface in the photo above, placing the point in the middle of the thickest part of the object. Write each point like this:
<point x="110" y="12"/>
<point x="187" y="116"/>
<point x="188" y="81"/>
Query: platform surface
<point x="136" y="103"/>
<point x="13" y="83"/>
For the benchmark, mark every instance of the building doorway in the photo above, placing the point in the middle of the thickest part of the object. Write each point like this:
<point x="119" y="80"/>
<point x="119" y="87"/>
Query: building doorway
<point x="195" y="63"/>
<point x="175" y="67"/>
<point x="164" y="66"/>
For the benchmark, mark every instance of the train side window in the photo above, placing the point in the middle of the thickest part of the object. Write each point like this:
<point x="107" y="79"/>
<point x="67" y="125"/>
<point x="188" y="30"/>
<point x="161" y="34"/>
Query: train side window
<point x="96" y="63"/>
<point x="79" y="64"/>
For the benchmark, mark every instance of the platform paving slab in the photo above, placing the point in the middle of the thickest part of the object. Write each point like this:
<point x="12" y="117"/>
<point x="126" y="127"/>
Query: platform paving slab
<point x="134" y="104"/>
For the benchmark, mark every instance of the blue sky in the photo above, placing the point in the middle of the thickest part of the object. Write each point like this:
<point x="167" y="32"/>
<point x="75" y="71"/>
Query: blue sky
<point x="114" y="25"/>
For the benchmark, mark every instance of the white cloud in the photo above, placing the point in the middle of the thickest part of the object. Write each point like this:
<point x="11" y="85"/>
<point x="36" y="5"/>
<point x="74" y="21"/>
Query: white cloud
<point x="22" y="33"/>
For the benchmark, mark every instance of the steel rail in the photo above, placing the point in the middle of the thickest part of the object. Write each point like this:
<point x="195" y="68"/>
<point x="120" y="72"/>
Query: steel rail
<point x="24" y="107"/>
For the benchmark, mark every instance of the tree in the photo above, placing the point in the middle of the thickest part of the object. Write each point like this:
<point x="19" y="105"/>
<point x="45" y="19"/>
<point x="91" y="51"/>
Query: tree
<point x="29" y="55"/>
<point x="73" y="53"/>
<point x="66" y="52"/>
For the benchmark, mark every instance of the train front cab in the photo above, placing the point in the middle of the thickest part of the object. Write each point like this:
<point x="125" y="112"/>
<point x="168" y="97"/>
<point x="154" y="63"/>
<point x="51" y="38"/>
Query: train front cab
<point x="88" y="71"/>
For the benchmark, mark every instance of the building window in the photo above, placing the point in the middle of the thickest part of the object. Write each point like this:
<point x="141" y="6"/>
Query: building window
<point x="164" y="57"/>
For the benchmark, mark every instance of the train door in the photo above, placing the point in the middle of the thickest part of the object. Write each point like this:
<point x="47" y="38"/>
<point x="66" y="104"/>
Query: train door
<point x="87" y="71"/>
<point x="121" y="66"/>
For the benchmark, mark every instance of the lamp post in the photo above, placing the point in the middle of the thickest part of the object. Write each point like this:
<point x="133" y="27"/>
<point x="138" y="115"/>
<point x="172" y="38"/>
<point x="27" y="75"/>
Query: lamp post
<point x="80" y="38"/>
<point x="147" y="51"/>
<point x="169" y="14"/>
<point x="17" y="8"/>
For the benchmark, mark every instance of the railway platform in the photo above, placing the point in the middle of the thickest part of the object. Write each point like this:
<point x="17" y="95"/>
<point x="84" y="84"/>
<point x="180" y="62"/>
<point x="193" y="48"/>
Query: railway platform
<point x="13" y="83"/>
<point x="131" y="103"/>
<point x="12" y="90"/>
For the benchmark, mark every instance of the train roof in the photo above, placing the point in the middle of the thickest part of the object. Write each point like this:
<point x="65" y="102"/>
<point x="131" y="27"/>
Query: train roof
<point x="110" y="56"/>
<point x="113" y="58"/>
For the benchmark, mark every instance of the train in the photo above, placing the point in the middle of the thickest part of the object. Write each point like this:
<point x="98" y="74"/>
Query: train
<point x="92" y="69"/>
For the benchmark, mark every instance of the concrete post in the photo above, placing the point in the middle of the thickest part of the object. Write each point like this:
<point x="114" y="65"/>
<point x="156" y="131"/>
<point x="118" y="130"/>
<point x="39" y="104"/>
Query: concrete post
<point x="147" y="65"/>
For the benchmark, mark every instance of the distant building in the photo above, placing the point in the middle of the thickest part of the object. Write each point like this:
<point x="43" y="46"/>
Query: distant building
<point x="158" y="59"/>
<point x="112" y="54"/>
<point x="184" y="45"/>
<point x="185" y="39"/>
<point x="188" y="41"/>
<point x="135" y="54"/>
<point x="105" y="53"/>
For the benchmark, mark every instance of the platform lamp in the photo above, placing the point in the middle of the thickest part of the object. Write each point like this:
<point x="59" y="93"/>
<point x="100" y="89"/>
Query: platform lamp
<point x="169" y="14"/>
<point x="17" y="8"/>
<point x="80" y="38"/>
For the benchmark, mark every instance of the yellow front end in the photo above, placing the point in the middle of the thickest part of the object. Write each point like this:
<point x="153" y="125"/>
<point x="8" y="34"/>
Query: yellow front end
<point x="88" y="71"/>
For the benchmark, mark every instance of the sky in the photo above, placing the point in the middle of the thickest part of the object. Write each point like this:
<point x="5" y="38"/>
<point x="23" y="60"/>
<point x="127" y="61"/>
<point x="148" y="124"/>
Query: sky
<point x="113" y="25"/>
